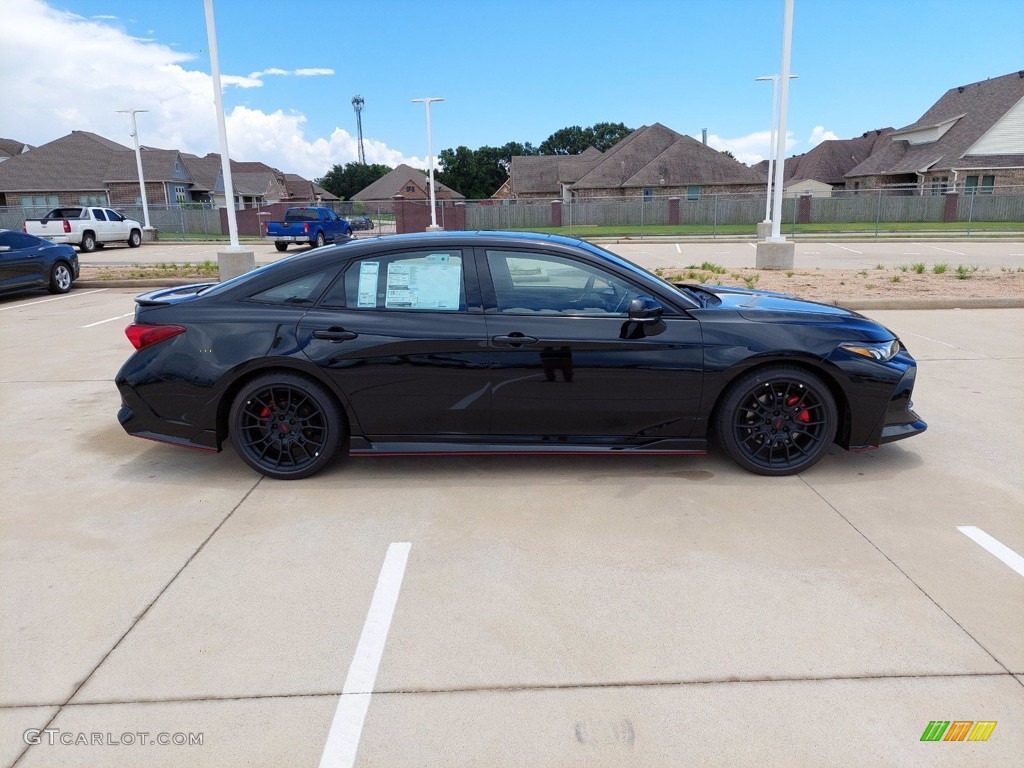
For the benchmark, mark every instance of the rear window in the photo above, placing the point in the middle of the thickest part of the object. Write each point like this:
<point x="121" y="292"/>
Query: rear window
<point x="64" y="213"/>
<point x="301" y="291"/>
<point x="302" y="214"/>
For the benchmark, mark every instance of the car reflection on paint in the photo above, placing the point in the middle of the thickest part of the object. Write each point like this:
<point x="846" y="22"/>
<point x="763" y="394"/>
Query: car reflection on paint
<point x="503" y="343"/>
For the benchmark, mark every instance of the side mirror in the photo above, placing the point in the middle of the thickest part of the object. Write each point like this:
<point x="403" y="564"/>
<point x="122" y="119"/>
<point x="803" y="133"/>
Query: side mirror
<point x="644" y="309"/>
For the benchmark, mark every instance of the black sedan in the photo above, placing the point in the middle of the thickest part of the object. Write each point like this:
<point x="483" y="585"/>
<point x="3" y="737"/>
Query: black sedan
<point x="28" y="262"/>
<point x="360" y="222"/>
<point x="503" y="343"/>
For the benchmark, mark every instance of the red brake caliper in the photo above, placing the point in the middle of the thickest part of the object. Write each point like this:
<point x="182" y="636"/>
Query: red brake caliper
<point x="804" y="415"/>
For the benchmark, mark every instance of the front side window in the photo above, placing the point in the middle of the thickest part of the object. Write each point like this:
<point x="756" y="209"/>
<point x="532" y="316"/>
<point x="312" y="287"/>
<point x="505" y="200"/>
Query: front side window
<point x="421" y="280"/>
<point x="98" y="214"/>
<point x="534" y="283"/>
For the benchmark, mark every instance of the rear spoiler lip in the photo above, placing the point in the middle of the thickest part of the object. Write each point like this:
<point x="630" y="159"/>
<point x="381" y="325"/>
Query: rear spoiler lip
<point x="171" y="295"/>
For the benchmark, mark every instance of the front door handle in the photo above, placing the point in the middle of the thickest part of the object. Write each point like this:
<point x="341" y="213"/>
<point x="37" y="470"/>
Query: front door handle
<point x="515" y="339"/>
<point x="334" y="334"/>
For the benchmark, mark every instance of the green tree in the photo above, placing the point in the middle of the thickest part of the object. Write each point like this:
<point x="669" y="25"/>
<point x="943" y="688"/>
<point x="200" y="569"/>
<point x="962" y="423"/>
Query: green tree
<point x="478" y="173"/>
<point x="353" y="177"/>
<point x="573" y="139"/>
<point x="729" y="154"/>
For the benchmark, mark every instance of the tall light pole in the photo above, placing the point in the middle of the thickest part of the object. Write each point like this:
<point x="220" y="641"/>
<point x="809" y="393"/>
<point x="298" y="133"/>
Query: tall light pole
<point x="780" y="146"/>
<point x="234" y="260"/>
<point x="430" y="156"/>
<point x="218" y="100"/>
<point x="771" y="141"/>
<point x="138" y="162"/>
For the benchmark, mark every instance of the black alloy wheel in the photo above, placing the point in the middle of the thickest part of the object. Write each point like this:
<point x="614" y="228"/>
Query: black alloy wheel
<point x="60" y="278"/>
<point x="777" y="421"/>
<point x="285" y="426"/>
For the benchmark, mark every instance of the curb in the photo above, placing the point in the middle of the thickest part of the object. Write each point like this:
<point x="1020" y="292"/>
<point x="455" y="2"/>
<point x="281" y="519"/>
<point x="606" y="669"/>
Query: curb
<point x="854" y="304"/>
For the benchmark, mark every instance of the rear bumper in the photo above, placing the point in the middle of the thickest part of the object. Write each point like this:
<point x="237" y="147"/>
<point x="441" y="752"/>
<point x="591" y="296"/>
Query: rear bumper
<point x="138" y="420"/>
<point x="290" y="239"/>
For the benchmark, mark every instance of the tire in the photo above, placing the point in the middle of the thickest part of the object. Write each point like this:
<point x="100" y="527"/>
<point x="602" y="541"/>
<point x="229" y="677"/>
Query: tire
<point x="60" y="278"/>
<point x="135" y="239"/>
<point x="285" y="426"/>
<point x="777" y="421"/>
<point x="88" y="244"/>
<point x="320" y="240"/>
<point x="282" y="247"/>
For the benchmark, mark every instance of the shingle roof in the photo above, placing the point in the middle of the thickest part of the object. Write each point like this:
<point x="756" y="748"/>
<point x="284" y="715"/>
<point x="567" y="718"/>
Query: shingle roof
<point x="688" y="161"/>
<point x="974" y="108"/>
<point x="157" y="165"/>
<point x="300" y="188"/>
<point x="830" y="160"/>
<point x="11" y="147"/>
<point x="204" y="171"/>
<point x="394" y="183"/>
<point x="628" y="156"/>
<point x="538" y="174"/>
<point x="71" y="163"/>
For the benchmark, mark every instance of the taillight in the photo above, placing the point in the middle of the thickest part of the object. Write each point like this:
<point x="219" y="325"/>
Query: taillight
<point x="142" y="336"/>
<point x="67" y="225"/>
<point x="305" y="228"/>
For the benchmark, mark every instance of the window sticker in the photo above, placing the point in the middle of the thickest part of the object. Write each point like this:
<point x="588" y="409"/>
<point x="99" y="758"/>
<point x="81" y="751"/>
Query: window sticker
<point x="368" y="284"/>
<point x="427" y="285"/>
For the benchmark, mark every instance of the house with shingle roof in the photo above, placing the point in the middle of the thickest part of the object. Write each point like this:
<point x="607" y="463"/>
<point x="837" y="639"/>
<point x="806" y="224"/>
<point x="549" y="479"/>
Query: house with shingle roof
<point x="823" y="169"/>
<point x="970" y="139"/>
<point x="84" y="168"/>
<point x="409" y="183"/>
<point x="651" y="161"/>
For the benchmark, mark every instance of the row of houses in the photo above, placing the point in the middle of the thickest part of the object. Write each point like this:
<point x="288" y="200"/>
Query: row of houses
<point x="84" y="168"/>
<point x="971" y="139"/>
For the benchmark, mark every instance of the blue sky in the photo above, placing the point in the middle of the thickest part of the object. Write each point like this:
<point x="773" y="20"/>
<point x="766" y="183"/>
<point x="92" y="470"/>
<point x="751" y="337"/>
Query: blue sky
<point x="509" y="70"/>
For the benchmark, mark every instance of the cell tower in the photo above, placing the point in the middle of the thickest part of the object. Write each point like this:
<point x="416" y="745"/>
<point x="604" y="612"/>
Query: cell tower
<point x="357" y="105"/>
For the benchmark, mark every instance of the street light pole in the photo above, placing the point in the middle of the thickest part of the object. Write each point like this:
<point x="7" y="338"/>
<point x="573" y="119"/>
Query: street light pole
<point x="218" y="100"/>
<point x="771" y="141"/>
<point x="780" y="145"/>
<point x="430" y="156"/>
<point x="138" y="162"/>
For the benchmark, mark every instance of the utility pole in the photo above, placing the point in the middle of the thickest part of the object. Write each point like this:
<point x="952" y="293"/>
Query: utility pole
<point x="357" y="105"/>
<point x="430" y="157"/>
<point x="138" y="162"/>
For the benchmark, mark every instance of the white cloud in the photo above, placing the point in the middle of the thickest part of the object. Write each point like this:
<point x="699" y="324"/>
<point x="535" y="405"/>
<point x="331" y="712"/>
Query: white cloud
<point x="752" y="148"/>
<point x="313" y="71"/>
<point x="83" y="87"/>
<point x="819" y="134"/>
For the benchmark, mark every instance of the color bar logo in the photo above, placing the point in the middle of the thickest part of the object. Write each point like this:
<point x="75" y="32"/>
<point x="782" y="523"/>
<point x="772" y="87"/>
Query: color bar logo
<point x="958" y="730"/>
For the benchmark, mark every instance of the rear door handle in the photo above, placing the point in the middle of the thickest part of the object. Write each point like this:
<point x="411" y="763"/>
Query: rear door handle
<point x="334" y="334"/>
<point x="514" y="339"/>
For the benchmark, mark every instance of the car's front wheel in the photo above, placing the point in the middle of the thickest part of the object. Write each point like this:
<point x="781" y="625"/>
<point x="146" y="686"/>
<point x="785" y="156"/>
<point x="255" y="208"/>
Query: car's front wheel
<point x="778" y="420"/>
<point x="285" y="426"/>
<point x="60" y="278"/>
<point x="135" y="239"/>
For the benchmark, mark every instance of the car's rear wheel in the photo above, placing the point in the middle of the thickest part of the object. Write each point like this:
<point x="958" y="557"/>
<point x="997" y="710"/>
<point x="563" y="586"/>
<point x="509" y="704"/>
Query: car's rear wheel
<point x="88" y="244"/>
<point x="320" y="240"/>
<point x="281" y="247"/>
<point x="60" y="278"/>
<point x="135" y="239"/>
<point x="778" y="420"/>
<point x="285" y="426"/>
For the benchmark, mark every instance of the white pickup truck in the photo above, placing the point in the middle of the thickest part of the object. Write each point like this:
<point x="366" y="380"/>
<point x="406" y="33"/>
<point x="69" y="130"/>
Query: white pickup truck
<point x="88" y="228"/>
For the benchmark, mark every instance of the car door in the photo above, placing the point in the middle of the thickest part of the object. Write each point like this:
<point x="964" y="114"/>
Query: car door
<point x="101" y="225"/>
<point x="22" y="260"/>
<point x="402" y="335"/>
<point x="116" y="229"/>
<point x="568" y="361"/>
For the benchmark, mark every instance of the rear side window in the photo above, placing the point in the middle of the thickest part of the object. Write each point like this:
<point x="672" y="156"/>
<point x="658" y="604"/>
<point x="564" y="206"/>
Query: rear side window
<point x="65" y="213"/>
<point x="422" y="280"/>
<point x="10" y="241"/>
<point x="99" y="215"/>
<point x="301" y="291"/>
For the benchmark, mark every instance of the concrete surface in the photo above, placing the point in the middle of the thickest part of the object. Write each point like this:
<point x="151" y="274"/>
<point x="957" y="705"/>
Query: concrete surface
<point x="647" y="611"/>
<point x="775" y="255"/>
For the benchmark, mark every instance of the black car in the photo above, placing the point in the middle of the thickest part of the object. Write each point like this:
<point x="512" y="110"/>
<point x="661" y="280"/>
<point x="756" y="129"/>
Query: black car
<point x="360" y="222"/>
<point x="28" y="262"/>
<point x="503" y="343"/>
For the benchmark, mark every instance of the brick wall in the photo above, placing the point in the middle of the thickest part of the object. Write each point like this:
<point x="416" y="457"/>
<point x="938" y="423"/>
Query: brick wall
<point x="414" y="216"/>
<point x="126" y="193"/>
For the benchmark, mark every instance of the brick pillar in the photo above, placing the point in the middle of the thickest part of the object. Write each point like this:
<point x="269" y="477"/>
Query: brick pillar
<point x="673" y="210"/>
<point x="458" y="218"/>
<point x="399" y="206"/>
<point x="556" y="213"/>
<point x="803" y="215"/>
<point x="949" y="211"/>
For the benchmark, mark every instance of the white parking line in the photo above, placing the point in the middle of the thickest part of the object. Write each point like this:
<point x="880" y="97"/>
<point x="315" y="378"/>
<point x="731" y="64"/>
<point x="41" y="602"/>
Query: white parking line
<point x="935" y="247"/>
<point x="347" y="726"/>
<point x="108" y="320"/>
<point x="55" y="298"/>
<point x="994" y="547"/>
<point x="753" y="245"/>
<point x="859" y="253"/>
<point x="678" y="249"/>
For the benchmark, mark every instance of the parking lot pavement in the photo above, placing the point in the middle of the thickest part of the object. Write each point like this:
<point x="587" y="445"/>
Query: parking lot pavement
<point x="574" y="611"/>
<point x="842" y="254"/>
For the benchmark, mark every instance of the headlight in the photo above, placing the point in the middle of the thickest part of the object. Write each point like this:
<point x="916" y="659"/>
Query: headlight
<point x="882" y="351"/>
